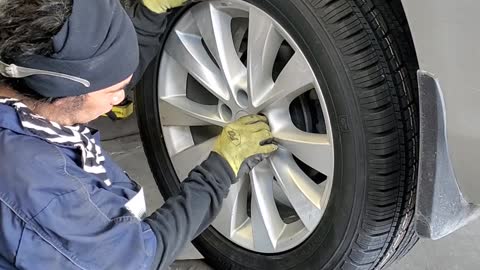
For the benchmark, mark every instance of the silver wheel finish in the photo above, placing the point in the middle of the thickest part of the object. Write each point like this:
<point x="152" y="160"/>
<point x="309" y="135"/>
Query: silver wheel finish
<point x="251" y="216"/>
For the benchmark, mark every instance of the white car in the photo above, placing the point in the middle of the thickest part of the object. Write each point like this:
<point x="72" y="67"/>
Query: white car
<point x="357" y="93"/>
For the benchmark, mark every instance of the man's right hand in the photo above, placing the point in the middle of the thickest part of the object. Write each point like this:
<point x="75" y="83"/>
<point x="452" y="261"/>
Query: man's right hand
<point x="245" y="143"/>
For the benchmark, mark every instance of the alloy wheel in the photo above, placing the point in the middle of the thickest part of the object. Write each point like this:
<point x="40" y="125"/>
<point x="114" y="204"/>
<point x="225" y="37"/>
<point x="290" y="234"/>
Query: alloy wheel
<point x="227" y="59"/>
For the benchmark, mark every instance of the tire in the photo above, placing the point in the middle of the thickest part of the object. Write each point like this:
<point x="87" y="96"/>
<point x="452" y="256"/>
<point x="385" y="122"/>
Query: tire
<point x="362" y="54"/>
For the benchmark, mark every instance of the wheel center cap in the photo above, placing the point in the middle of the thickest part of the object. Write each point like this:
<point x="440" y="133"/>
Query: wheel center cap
<point x="240" y="114"/>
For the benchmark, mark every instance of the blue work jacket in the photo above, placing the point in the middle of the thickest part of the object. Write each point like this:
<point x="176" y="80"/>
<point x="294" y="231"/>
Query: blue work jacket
<point x="54" y="215"/>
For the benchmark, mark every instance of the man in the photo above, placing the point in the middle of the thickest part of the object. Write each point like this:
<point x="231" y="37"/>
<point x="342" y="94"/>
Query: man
<point x="64" y="204"/>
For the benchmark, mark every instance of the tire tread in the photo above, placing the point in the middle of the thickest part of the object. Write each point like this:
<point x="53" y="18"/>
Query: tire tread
<point x="374" y="39"/>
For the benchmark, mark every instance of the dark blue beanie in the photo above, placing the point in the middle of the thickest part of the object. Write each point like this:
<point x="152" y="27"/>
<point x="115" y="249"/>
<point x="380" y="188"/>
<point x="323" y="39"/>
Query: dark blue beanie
<point x="97" y="43"/>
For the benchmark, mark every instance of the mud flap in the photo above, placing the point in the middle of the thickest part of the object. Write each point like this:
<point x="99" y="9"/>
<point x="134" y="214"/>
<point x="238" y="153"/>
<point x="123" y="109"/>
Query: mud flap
<point x="441" y="206"/>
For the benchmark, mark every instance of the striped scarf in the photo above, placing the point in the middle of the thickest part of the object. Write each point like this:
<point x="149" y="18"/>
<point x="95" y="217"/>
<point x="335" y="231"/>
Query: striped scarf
<point x="78" y="136"/>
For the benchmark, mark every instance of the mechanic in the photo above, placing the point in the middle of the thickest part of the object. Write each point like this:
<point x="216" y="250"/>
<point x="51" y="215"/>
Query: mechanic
<point x="64" y="204"/>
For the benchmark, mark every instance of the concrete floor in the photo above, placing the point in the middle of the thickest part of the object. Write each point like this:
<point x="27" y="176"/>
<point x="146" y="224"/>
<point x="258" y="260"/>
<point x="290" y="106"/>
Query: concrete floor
<point x="459" y="251"/>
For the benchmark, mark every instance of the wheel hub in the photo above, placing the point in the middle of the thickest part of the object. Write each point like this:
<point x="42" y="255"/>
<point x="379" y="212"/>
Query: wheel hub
<point x="241" y="114"/>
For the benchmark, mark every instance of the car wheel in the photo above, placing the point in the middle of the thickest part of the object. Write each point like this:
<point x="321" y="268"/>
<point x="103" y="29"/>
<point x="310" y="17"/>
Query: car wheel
<point x="336" y="79"/>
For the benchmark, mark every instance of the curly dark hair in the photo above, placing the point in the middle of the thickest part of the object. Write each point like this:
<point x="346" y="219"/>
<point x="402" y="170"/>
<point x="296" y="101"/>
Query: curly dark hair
<point x="27" y="28"/>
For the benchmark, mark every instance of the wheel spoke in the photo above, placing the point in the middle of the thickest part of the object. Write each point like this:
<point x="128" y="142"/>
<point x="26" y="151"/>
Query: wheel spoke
<point x="295" y="79"/>
<point x="174" y="116"/>
<point x="234" y="210"/>
<point x="188" y="51"/>
<point x="303" y="194"/>
<point x="183" y="105"/>
<point x="191" y="157"/>
<point x="267" y="225"/>
<point x="214" y="26"/>
<point x="264" y="43"/>
<point x="315" y="150"/>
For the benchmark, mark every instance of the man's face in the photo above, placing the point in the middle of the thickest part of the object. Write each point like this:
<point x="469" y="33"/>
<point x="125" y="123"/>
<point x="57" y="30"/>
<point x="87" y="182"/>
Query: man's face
<point x="100" y="102"/>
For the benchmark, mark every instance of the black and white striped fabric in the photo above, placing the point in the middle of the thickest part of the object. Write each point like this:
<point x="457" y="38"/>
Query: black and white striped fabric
<point x="78" y="136"/>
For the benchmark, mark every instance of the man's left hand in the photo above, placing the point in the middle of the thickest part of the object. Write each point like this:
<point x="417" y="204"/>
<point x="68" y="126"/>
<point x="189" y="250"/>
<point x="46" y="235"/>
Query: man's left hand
<point x="162" y="6"/>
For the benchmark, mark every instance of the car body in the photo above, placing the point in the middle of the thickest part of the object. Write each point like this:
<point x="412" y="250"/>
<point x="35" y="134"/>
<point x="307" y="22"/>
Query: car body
<point x="447" y="51"/>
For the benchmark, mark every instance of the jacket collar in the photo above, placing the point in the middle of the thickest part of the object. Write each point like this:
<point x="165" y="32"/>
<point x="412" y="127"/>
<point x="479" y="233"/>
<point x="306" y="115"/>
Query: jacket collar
<point x="10" y="120"/>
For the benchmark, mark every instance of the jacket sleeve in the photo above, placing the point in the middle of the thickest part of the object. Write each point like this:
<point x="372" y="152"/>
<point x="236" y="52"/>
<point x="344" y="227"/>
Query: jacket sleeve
<point x="150" y="28"/>
<point x="185" y="216"/>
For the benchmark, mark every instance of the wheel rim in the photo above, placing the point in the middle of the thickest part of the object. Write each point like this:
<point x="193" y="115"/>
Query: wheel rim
<point x="209" y="77"/>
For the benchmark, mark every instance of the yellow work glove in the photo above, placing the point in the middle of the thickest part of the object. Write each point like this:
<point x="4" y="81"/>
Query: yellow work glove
<point x="161" y="6"/>
<point x="245" y="143"/>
